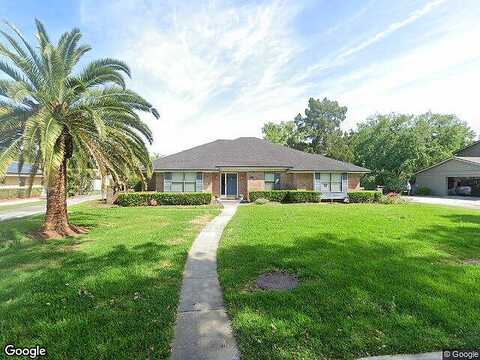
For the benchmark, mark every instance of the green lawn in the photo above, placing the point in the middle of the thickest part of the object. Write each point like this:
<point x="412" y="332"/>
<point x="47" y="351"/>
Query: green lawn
<point x="109" y="294"/>
<point x="374" y="279"/>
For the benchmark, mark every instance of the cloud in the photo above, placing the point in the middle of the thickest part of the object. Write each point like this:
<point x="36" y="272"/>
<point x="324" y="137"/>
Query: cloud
<point x="220" y="70"/>
<point x="417" y="14"/>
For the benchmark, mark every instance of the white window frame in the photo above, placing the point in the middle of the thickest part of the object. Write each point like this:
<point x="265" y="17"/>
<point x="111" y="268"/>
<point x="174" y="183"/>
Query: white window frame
<point x="342" y="187"/>
<point x="183" y="182"/>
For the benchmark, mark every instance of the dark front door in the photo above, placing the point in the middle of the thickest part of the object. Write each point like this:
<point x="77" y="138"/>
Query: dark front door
<point x="231" y="184"/>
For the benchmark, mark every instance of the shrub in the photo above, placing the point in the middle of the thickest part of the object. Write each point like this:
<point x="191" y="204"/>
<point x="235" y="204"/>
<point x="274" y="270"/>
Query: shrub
<point x="423" y="191"/>
<point x="364" y="196"/>
<point x="161" y="198"/>
<point x="391" y="199"/>
<point x="301" y="196"/>
<point x="19" y="193"/>
<point x="261" y="201"/>
<point x="271" y="195"/>
<point x="286" y="196"/>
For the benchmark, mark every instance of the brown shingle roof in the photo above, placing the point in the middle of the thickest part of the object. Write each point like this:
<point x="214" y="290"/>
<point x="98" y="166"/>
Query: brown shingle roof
<point x="250" y="152"/>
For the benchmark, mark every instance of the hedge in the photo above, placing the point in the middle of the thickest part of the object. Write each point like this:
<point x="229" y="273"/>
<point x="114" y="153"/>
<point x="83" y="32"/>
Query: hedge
<point x="272" y="195"/>
<point x="423" y="191"/>
<point x="286" y="196"/>
<point x="162" y="198"/>
<point x="364" y="196"/>
<point x="18" y="193"/>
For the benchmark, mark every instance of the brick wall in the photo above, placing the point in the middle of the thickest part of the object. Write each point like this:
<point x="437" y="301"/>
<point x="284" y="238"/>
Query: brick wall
<point x="159" y="182"/>
<point x="354" y="181"/>
<point x="243" y="184"/>
<point x="215" y="184"/>
<point x="207" y="182"/>
<point x="303" y="181"/>
<point x="256" y="181"/>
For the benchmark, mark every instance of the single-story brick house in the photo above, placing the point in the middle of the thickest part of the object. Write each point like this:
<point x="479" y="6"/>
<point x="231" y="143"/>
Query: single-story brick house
<point x="234" y="168"/>
<point x="459" y="175"/>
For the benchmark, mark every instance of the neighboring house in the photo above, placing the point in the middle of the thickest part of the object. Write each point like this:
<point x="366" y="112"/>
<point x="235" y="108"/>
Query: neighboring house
<point x="459" y="175"/>
<point x="17" y="180"/>
<point x="234" y="168"/>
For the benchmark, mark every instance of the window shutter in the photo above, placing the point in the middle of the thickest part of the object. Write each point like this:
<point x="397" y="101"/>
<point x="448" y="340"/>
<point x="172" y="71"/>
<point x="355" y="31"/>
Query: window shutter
<point x="167" y="183"/>
<point x="199" y="182"/>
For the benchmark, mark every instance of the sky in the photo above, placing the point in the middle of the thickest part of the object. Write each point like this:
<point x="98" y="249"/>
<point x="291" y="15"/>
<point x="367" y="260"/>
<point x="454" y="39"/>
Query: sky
<point x="221" y="69"/>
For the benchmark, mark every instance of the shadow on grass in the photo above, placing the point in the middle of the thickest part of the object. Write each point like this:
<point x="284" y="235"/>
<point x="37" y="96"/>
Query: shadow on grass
<point x="356" y="296"/>
<point x="115" y="302"/>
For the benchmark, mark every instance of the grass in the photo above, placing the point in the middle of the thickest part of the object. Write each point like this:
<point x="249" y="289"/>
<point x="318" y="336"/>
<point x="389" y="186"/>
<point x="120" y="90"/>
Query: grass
<point x="110" y="294"/>
<point x="374" y="279"/>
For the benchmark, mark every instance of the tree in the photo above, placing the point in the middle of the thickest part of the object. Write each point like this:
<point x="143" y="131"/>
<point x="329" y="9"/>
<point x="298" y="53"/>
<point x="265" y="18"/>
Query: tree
<point x="317" y="132"/>
<point x="49" y="113"/>
<point x="320" y="127"/>
<point x="395" y="146"/>
<point x="284" y="133"/>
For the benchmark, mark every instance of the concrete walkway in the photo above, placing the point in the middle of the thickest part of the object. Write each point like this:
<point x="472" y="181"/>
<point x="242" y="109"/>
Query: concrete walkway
<point x="202" y="329"/>
<point x="456" y="201"/>
<point x="19" y="201"/>
<point x="424" y="356"/>
<point x="26" y="209"/>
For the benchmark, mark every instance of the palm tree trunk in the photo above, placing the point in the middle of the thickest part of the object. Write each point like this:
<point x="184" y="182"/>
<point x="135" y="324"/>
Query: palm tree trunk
<point x="56" y="218"/>
<point x="56" y="223"/>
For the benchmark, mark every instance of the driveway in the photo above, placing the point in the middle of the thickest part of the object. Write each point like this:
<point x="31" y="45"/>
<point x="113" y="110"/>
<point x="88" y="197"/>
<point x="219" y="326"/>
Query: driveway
<point x="22" y="209"/>
<point x="468" y="203"/>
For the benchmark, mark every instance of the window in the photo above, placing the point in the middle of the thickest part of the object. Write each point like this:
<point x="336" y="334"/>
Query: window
<point x="272" y="181"/>
<point x="336" y="182"/>
<point x="329" y="182"/>
<point x="183" y="182"/>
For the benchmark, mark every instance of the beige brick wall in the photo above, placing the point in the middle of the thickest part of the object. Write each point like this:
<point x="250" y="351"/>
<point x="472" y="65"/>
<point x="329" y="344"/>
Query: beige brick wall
<point x="256" y="181"/>
<point x="303" y="181"/>
<point x="216" y="184"/>
<point x="207" y="182"/>
<point x="243" y="184"/>
<point x="354" y="181"/>
<point x="156" y="182"/>
<point x="159" y="182"/>
<point x="286" y="181"/>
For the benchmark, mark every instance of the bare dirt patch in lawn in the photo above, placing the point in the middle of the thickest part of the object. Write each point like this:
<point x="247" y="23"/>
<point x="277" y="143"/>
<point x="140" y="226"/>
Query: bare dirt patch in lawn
<point x="276" y="280"/>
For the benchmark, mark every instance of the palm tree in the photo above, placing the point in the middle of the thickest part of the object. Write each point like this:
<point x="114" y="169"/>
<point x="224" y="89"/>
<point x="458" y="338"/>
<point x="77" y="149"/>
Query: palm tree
<point x="50" y="113"/>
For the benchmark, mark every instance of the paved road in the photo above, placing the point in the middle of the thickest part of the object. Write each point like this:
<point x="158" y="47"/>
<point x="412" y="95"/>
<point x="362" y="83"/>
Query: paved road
<point x="26" y="209"/>
<point x="468" y="203"/>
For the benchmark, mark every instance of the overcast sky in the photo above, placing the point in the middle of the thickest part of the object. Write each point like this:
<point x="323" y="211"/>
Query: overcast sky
<point x="221" y="69"/>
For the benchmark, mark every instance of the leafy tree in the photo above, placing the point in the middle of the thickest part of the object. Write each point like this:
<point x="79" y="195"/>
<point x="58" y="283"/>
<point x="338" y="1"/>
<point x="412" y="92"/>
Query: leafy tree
<point x="317" y="132"/>
<point x="284" y="133"/>
<point x="49" y="113"/>
<point x="320" y="127"/>
<point x="395" y="146"/>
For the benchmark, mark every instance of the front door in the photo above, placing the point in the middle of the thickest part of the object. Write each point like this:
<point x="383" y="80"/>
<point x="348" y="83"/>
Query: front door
<point x="229" y="184"/>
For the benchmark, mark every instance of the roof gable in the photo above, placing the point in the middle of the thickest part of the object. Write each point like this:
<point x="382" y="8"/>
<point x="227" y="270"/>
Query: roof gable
<point x="249" y="152"/>
<point x="472" y="150"/>
<point x="464" y="163"/>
